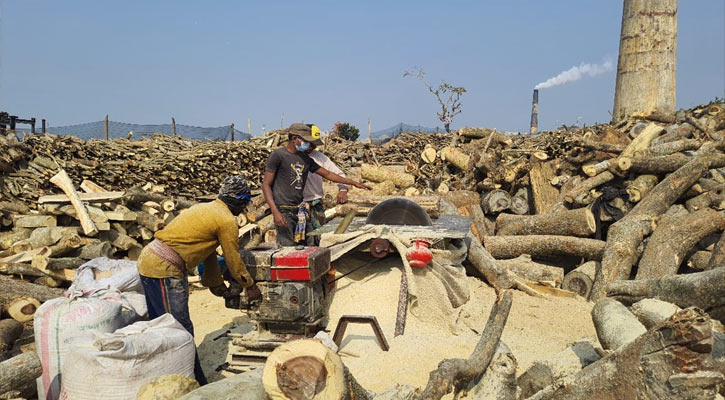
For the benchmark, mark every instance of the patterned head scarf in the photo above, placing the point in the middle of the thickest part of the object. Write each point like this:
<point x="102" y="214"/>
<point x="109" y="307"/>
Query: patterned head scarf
<point x="233" y="186"/>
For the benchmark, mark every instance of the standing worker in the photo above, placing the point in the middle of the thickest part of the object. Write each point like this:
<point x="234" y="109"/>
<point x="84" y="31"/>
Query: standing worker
<point x="284" y="180"/>
<point x="192" y="237"/>
<point x="313" y="191"/>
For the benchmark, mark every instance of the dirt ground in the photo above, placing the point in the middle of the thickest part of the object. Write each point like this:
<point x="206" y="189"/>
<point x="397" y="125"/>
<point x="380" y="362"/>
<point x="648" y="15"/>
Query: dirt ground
<point x="536" y="328"/>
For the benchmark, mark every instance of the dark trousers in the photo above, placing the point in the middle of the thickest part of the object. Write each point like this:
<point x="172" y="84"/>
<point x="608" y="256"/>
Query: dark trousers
<point x="317" y="219"/>
<point x="286" y="234"/>
<point x="171" y="295"/>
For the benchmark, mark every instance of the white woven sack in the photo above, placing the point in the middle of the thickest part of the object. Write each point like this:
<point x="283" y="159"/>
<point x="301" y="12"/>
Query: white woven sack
<point x="113" y="366"/>
<point x="94" y="275"/>
<point x="59" y="321"/>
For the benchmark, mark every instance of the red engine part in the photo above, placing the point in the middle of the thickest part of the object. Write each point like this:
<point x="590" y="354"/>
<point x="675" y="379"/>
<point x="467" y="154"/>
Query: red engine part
<point x="419" y="256"/>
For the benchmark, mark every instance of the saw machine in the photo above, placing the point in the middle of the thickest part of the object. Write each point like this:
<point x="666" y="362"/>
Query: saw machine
<point x="293" y="281"/>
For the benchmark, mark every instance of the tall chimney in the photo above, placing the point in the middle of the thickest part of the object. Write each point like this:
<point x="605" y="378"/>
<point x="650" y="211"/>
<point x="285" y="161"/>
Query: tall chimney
<point x="535" y="113"/>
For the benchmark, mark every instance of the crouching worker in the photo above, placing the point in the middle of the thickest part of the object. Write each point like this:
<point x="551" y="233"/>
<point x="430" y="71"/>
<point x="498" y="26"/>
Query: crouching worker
<point x="192" y="237"/>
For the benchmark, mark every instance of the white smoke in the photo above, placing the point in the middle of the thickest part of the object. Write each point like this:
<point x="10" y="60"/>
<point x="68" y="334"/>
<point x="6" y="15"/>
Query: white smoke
<point x="577" y="72"/>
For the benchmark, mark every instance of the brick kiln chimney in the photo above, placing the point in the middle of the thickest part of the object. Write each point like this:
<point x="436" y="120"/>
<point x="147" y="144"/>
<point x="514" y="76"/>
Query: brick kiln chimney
<point x="535" y="113"/>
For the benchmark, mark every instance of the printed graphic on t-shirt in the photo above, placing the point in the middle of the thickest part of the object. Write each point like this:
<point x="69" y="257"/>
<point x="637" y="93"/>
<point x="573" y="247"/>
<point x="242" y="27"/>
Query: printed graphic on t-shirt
<point x="296" y="175"/>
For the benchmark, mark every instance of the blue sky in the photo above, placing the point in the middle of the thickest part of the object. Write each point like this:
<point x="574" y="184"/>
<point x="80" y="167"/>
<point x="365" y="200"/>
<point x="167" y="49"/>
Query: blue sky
<point x="215" y="62"/>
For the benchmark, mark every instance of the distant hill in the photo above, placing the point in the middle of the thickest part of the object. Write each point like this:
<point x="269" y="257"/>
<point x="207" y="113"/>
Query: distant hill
<point x="96" y="130"/>
<point x="384" y="135"/>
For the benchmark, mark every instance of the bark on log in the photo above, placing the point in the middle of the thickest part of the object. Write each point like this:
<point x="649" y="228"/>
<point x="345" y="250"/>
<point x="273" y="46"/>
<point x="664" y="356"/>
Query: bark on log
<point x="577" y="222"/>
<point x="455" y="373"/>
<point x="486" y="265"/>
<point x="616" y="326"/>
<point x="665" y="164"/>
<point x="718" y="254"/>
<point x="705" y="290"/>
<point x="543" y="246"/>
<point x="545" y="195"/>
<point x="7" y="239"/>
<point x="599" y="146"/>
<point x="673" y="238"/>
<point x="651" y="367"/>
<point x="625" y="235"/>
<point x="519" y="205"/>
<point x="381" y="174"/>
<point x="48" y="281"/>
<point x="66" y="244"/>
<point x="10" y="331"/>
<point x="85" y="197"/>
<point x="62" y="180"/>
<point x="666" y="149"/>
<point x="699" y="260"/>
<point x="581" y="279"/>
<point x="148" y="221"/>
<point x="651" y="312"/>
<point x="640" y="186"/>
<point x="713" y="199"/>
<point x="532" y="271"/>
<point x="643" y="140"/>
<point x="580" y="192"/>
<point x="567" y="362"/>
<point x="95" y="250"/>
<point x="495" y="201"/>
<point x="258" y="213"/>
<point x="597" y="168"/>
<point x="456" y="157"/>
<point x="11" y="288"/>
<point x="480" y="226"/>
<point x="18" y="371"/>
<point x="137" y="197"/>
<point x="35" y="221"/>
<point x="460" y="198"/>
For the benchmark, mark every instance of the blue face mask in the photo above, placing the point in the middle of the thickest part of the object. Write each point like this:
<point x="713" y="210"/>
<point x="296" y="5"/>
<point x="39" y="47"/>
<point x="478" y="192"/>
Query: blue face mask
<point x="303" y="147"/>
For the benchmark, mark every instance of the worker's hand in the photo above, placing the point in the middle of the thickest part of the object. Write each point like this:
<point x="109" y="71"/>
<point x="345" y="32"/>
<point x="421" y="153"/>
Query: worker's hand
<point x="342" y="197"/>
<point x="279" y="219"/>
<point x="253" y="293"/>
<point x="219" y="290"/>
<point x="361" y="186"/>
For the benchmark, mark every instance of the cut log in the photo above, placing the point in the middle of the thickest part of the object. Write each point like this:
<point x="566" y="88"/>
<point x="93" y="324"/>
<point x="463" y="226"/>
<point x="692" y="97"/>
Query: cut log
<point x="69" y="242"/>
<point x="495" y="201"/>
<point x="168" y="205"/>
<point x="148" y="221"/>
<point x="673" y="238"/>
<point x="700" y="289"/>
<point x="14" y="207"/>
<point x="651" y="312"/>
<point x="545" y="195"/>
<point x="486" y="265"/>
<point x="599" y="146"/>
<point x="665" y="164"/>
<point x="577" y="222"/>
<point x="616" y="326"/>
<point x="579" y="193"/>
<point x="581" y="279"/>
<point x="625" y="235"/>
<point x="41" y="262"/>
<point x="524" y="267"/>
<point x="10" y="331"/>
<point x="121" y="213"/>
<point x="665" y="149"/>
<point x="643" y="140"/>
<point x="137" y="197"/>
<point x="85" y="197"/>
<point x="19" y="371"/>
<point x="381" y="174"/>
<point x="480" y="226"/>
<point x="519" y="204"/>
<point x="431" y="204"/>
<point x="499" y="380"/>
<point x="91" y="187"/>
<point x="48" y="236"/>
<point x="306" y="369"/>
<point x="25" y="256"/>
<point x="457" y="373"/>
<point x="699" y="260"/>
<point x="640" y="186"/>
<point x="7" y="239"/>
<point x="543" y="246"/>
<point x="97" y="249"/>
<point x="565" y="363"/>
<point x="258" y="213"/>
<point x="35" y="221"/>
<point x="456" y="157"/>
<point x="22" y="308"/>
<point x="460" y="198"/>
<point x="429" y="154"/>
<point x="650" y="367"/>
<point x="597" y="168"/>
<point x="62" y="180"/>
<point x="714" y="199"/>
<point x="48" y="281"/>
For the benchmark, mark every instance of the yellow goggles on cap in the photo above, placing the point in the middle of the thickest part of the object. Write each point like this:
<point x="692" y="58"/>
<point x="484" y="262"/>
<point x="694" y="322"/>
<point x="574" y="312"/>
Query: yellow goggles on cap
<point x="315" y="131"/>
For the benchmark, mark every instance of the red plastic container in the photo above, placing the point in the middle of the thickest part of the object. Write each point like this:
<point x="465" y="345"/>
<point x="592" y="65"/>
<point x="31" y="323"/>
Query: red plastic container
<point x="419" y="256"/>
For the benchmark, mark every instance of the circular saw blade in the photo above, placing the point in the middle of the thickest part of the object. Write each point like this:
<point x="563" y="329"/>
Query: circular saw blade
<point x="398" y="211"/>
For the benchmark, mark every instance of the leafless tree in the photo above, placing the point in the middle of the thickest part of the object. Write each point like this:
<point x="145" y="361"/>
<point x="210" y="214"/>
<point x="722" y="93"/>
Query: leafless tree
<point x="451" y="106"/>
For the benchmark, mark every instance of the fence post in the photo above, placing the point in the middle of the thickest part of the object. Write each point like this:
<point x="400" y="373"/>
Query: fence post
<point x="173" y="125"/>
<point x="232" y="131"/>
<point x="32" y="125"/>
<point x="106" y="124"/>
<point x="43" y="125"/>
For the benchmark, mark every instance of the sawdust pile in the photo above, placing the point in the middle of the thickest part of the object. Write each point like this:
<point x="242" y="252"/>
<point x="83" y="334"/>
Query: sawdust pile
<point x="536" y="328"/>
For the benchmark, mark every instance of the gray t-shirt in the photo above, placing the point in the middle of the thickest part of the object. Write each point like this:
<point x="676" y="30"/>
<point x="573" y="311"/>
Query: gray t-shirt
<point x="290" y="175"/>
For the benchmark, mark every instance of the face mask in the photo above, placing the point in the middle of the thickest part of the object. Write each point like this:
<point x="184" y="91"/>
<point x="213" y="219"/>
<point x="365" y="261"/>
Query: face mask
<point x="303" y="147"/>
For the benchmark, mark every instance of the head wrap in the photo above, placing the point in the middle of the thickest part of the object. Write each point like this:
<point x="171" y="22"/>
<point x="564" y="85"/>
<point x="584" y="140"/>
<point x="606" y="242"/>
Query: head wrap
<point x="235" y="193"/>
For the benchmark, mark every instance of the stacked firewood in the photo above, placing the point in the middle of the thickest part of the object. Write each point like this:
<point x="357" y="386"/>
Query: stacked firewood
<point x="186" y="168"/>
